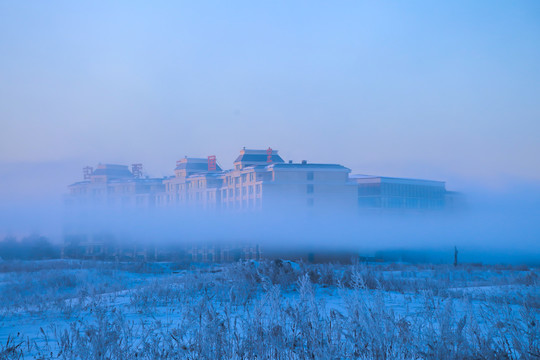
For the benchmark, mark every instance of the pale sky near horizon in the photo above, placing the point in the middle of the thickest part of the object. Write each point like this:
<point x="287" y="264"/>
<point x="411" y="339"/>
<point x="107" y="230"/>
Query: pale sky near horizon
<point x="415" y="89"/>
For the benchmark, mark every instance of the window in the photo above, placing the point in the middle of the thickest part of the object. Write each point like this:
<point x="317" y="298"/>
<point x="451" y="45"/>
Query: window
<point x="310" y="189"/>
<point x="251" y="189"/>
<point x="258" y="189"/>
<point x="369" y="189"/>
<point x="310" y="176"/>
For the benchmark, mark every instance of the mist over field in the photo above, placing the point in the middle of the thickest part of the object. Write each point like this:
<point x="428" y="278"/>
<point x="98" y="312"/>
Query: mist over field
<point x="490" y="225"/>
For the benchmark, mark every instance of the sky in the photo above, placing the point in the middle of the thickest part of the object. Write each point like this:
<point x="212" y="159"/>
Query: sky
<point x="441" y="90"/>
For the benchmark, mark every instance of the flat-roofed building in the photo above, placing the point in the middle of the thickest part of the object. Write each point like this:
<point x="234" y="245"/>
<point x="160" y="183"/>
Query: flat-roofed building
<point x="295" y="186"/>
<point x="379" y="192"/>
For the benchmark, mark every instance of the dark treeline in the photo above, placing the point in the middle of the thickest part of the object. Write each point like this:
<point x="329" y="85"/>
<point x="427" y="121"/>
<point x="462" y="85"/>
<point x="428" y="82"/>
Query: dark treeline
<point x="33" y="247"/>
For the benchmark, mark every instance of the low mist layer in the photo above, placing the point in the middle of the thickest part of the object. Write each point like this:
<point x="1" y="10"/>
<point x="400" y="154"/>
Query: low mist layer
<point x="491" y="226"/>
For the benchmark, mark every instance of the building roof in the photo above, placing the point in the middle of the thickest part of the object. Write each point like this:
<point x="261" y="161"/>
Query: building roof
<point x="250" y="156"/>
<point x="309" y="166"/>
<point x="387" y="179"/>
<point x="84" y="182"/>
<point x="194" y="165"/>
<point x="257" y="158"/>
<point x="112" y="171"/>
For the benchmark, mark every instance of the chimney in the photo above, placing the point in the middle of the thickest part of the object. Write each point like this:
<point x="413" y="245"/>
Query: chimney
<point x="87" y="172"/>
<point x="269" y="155"/>
<point x="212" y="163"/>
<point x="304" y="162"/>
<point x="136" y="170"/>
<point x="290" y="161"/>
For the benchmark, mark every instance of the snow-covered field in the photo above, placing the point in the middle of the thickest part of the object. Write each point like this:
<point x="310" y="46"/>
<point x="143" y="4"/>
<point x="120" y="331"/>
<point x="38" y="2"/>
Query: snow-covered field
<point x="267" y="310"/>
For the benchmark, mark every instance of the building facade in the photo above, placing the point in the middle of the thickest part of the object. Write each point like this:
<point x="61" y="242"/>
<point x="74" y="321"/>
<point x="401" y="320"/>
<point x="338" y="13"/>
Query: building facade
<point x="259" y="181"/>
<point x="389" y="193"/>
<point x="91" y="202"/>
<point x="114" y="186"/>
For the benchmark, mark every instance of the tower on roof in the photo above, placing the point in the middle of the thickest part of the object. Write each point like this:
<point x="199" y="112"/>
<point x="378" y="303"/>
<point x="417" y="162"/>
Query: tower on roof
<point x="107" y="172"/>
<point x="249" y="157"/>
<point x="189" y="166"/>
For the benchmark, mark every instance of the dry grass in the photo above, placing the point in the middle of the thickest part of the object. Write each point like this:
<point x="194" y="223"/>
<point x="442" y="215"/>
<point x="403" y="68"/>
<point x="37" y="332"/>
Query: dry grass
<point x="272" y="310"/>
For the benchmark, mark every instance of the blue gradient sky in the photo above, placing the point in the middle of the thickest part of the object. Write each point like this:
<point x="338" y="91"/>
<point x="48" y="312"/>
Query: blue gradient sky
<point x="428" y="89"/>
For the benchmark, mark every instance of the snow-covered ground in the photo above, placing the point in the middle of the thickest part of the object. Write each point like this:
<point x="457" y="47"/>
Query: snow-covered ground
<point x="267" y="310"/>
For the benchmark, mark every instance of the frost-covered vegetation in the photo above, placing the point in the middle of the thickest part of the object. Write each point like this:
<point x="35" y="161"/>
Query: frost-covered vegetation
<point x="267" y="310"/>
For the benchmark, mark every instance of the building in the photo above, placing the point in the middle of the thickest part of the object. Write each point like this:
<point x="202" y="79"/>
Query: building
<point x="114" y="186"/>
<point x="194" y="183"/>
<point x="259" y="181"/>
<point x="399" y="194"/>
<point x="103" y="191"/>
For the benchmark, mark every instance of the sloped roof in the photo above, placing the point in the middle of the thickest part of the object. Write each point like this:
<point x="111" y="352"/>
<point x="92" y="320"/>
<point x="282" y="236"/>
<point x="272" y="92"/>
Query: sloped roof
<point x="113" y="171"/>
<point x="195" y="165"/>
<point x="84" y="182"/>
<point x="257" y="158"/>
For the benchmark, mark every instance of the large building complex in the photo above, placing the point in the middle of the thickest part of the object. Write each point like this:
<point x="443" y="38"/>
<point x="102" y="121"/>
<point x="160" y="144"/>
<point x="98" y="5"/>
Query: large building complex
<point x="259" y="181"/>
